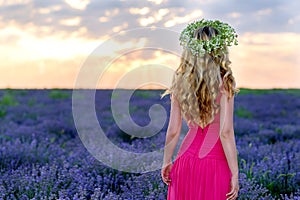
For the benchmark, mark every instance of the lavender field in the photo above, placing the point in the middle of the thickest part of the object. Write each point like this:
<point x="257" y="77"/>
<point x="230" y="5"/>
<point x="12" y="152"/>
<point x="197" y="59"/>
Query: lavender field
<point x="42" y="156"/>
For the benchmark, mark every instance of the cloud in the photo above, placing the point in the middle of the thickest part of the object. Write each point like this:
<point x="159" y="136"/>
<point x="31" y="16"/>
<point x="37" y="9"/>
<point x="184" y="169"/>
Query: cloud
<point x="112" y="12"/>
<point x="269" y="58"/>
<point x="27" y="45"/>
<point x="119" y="28"/>
<point x="103" y="19"/>
<point x="155" y="18"/>
<point x="48" y="10"/>
<point x="294" y="20"/>
<point x="234" y="15"/>
<point x="78" y="4"/>
<point x="185" y="19"/>
<point x="34" y="31"/>
<point x="156" y="1"/>
<point x="140" y="11"/>
<point x="74" y="21"/>
<point x="263" y="12"/>
<point x="255" y="16"/>
<point x="14" y="2"/>
<point x="100" y="17"/>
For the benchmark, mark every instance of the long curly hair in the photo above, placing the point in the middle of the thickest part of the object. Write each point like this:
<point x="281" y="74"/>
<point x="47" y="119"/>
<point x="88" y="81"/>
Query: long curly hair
<point x="198" y="80"/>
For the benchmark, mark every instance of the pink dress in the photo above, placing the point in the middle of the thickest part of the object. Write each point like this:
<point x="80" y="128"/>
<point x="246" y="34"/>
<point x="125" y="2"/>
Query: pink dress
<point x="200" y="170"/>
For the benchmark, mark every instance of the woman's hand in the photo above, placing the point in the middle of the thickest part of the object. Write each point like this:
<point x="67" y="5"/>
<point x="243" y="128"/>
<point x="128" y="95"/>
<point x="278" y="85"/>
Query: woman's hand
<point x="234" y="184"/>
<point x="165" y="173"/>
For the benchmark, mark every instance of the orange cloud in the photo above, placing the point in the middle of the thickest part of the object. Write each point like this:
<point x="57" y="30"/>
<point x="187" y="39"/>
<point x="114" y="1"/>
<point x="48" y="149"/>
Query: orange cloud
<point x="262" y="60"/>
<point x="74" y="21"/>
<point x="267" y="60"/>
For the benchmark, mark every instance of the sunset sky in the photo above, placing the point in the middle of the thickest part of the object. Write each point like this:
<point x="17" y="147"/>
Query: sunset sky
<point x="44" y="44"/>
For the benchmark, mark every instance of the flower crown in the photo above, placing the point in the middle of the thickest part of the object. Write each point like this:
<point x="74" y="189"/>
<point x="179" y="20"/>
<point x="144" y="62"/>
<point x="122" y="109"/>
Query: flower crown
<point x="226" y="37"/>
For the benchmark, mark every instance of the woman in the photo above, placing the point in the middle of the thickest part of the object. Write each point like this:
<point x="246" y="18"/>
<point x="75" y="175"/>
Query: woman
<point x="202" y="92"/>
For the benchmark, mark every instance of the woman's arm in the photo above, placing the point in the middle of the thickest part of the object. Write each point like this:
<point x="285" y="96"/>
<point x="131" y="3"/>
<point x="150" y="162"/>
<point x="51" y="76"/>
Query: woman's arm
<point x="227" y="135"/>
<point x="228" y="142"/>
<point x="173" y="131"/>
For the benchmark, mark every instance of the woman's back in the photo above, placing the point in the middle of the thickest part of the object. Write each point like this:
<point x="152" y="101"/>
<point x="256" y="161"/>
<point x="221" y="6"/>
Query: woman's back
<point x="200" y="170"/>
<point x="206" y="140"/>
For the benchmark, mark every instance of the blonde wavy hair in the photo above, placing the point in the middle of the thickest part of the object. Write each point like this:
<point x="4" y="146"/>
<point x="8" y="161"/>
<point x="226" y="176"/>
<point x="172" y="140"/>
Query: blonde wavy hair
<point x="198" y="80"/>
